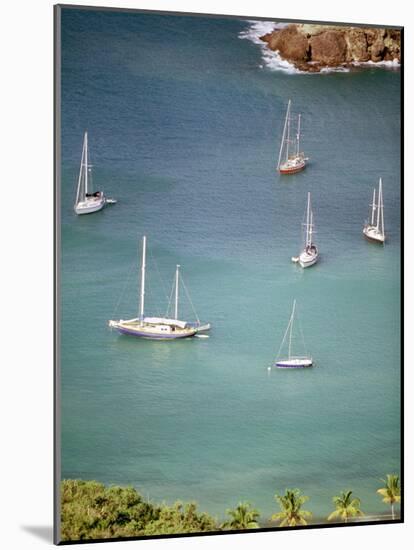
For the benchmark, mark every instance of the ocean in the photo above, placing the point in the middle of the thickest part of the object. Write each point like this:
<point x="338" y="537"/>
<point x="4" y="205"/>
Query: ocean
<point x="184" y="118"/>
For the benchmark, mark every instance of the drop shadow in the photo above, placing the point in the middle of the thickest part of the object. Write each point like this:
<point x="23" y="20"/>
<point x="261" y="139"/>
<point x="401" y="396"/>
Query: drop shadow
<point x="43" y="532"/>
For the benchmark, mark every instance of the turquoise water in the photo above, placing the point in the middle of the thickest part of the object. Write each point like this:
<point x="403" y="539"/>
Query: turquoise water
<point x="184" y="128"/>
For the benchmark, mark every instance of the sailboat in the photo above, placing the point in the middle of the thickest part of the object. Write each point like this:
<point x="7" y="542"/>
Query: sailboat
<point x="291" y="159"/>
<point x="292" y="361"/>
<point x="87" y="201"/>
<point x="310" y="254"/>
<point x="158" y="328"/>
<point x="374" y="229"/>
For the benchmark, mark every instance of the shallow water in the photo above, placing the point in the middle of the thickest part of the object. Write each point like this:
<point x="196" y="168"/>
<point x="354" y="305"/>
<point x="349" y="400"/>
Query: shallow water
<point x="184" y="128"/>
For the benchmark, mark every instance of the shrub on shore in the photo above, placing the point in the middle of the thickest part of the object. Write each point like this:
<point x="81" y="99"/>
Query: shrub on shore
<point x="89" y="510"/>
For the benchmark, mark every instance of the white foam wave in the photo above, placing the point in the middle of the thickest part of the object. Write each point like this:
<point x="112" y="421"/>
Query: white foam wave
<point x="275" y="62"/>
<point x="272" y="60"/>
<point x="391" y="64"/>
<point x="339" y="69"/>
<point x="257" y="29"/>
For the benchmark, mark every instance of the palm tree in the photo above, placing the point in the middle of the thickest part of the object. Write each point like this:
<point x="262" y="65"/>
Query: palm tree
<point x="242" y="517"/>
<point x="346" y="507"/>
<point x="391" y="492"/>
<point x="291" y="513"/>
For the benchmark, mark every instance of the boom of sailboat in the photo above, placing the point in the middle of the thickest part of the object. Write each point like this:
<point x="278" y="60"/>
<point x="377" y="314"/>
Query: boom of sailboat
<point x="158" y="328"/>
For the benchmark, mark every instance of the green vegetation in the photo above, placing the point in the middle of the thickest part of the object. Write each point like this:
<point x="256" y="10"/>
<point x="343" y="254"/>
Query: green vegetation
<point x="346" y="507"/>
<point x="90" y="510"/>
<point x="242" y="517"/>
<point x="291" y="508"/>
<point x="391" y="493"/>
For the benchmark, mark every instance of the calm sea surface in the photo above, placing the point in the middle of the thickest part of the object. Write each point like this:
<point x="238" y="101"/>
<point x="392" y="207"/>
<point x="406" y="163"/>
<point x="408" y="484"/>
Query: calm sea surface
<point x="184" y="129"/>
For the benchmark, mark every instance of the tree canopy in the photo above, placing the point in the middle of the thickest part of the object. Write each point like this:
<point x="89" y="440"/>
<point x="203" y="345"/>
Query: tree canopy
<point x="89" y="510"/>
<point x="391" y="493"/>
<point x="242" y="517"/>
<point x="291" y="513"/>
<point x="345" y="507"/>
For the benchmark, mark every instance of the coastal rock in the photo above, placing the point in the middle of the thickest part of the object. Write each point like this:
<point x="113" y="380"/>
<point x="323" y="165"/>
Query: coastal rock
<point x="328" y="48"/>
<point x="373" y="35"/>
<point x="290" y="42"/>
<point x="378" y="46"/>
<point x="377" y="50"/>
<point x="357" y="45"/>
<point x="313" y="47"/>
<point x="392" y="45"/>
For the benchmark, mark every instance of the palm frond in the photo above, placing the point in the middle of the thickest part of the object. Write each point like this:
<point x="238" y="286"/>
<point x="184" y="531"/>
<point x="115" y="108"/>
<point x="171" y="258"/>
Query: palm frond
<point x="334" y="515"/>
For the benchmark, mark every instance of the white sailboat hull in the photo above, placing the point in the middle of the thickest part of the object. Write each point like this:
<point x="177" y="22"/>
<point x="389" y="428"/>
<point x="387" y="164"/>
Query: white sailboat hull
<point x="167" y="330"/>
<point x="308" y="258"/>
<point x="293" y="165"/>
<point x="90" y="205"/>
<point x="151" y="331"/>
<point x="294" y="363"/>
<point x="373" y="234"/>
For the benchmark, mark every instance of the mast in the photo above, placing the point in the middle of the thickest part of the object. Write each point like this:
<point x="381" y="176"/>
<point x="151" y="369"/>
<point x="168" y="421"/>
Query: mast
<point x="177" y="276"/>
<point x="373" y="208"/>
<point x="298" y="137"/>
<point x="79" y="195"/>
<point x="288" y="133"/>
<point x="311" y="228"/>
<point x="291" y="326"/>
<point x="141" y="305"/>
<point x="307" y="243"/>
<point x="85" y="145"/>
<point x="284" y="133"/>
<point x="380" y="207"/>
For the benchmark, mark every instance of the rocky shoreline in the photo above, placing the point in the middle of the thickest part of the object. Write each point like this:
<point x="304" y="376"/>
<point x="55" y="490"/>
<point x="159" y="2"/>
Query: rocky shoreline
<point x="312" y="48"/>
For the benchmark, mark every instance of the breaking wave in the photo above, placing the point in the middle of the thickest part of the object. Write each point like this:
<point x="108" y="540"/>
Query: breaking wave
<point x="394" y="64"/>
<point x="272" y="60"/>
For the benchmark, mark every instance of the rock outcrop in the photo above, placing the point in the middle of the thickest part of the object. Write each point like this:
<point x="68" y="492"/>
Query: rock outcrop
<point x="313" y="47"/>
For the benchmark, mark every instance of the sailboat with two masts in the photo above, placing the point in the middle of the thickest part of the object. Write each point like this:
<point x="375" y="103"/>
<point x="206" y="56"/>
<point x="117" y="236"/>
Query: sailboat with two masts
<point x="291" y="159"/>
<point x="87" y="201"/>
<point x="374" y="229"/>
<point x="310" y="253"/>
<point x="158" y="328"/>
<point x="292" y="361"/>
